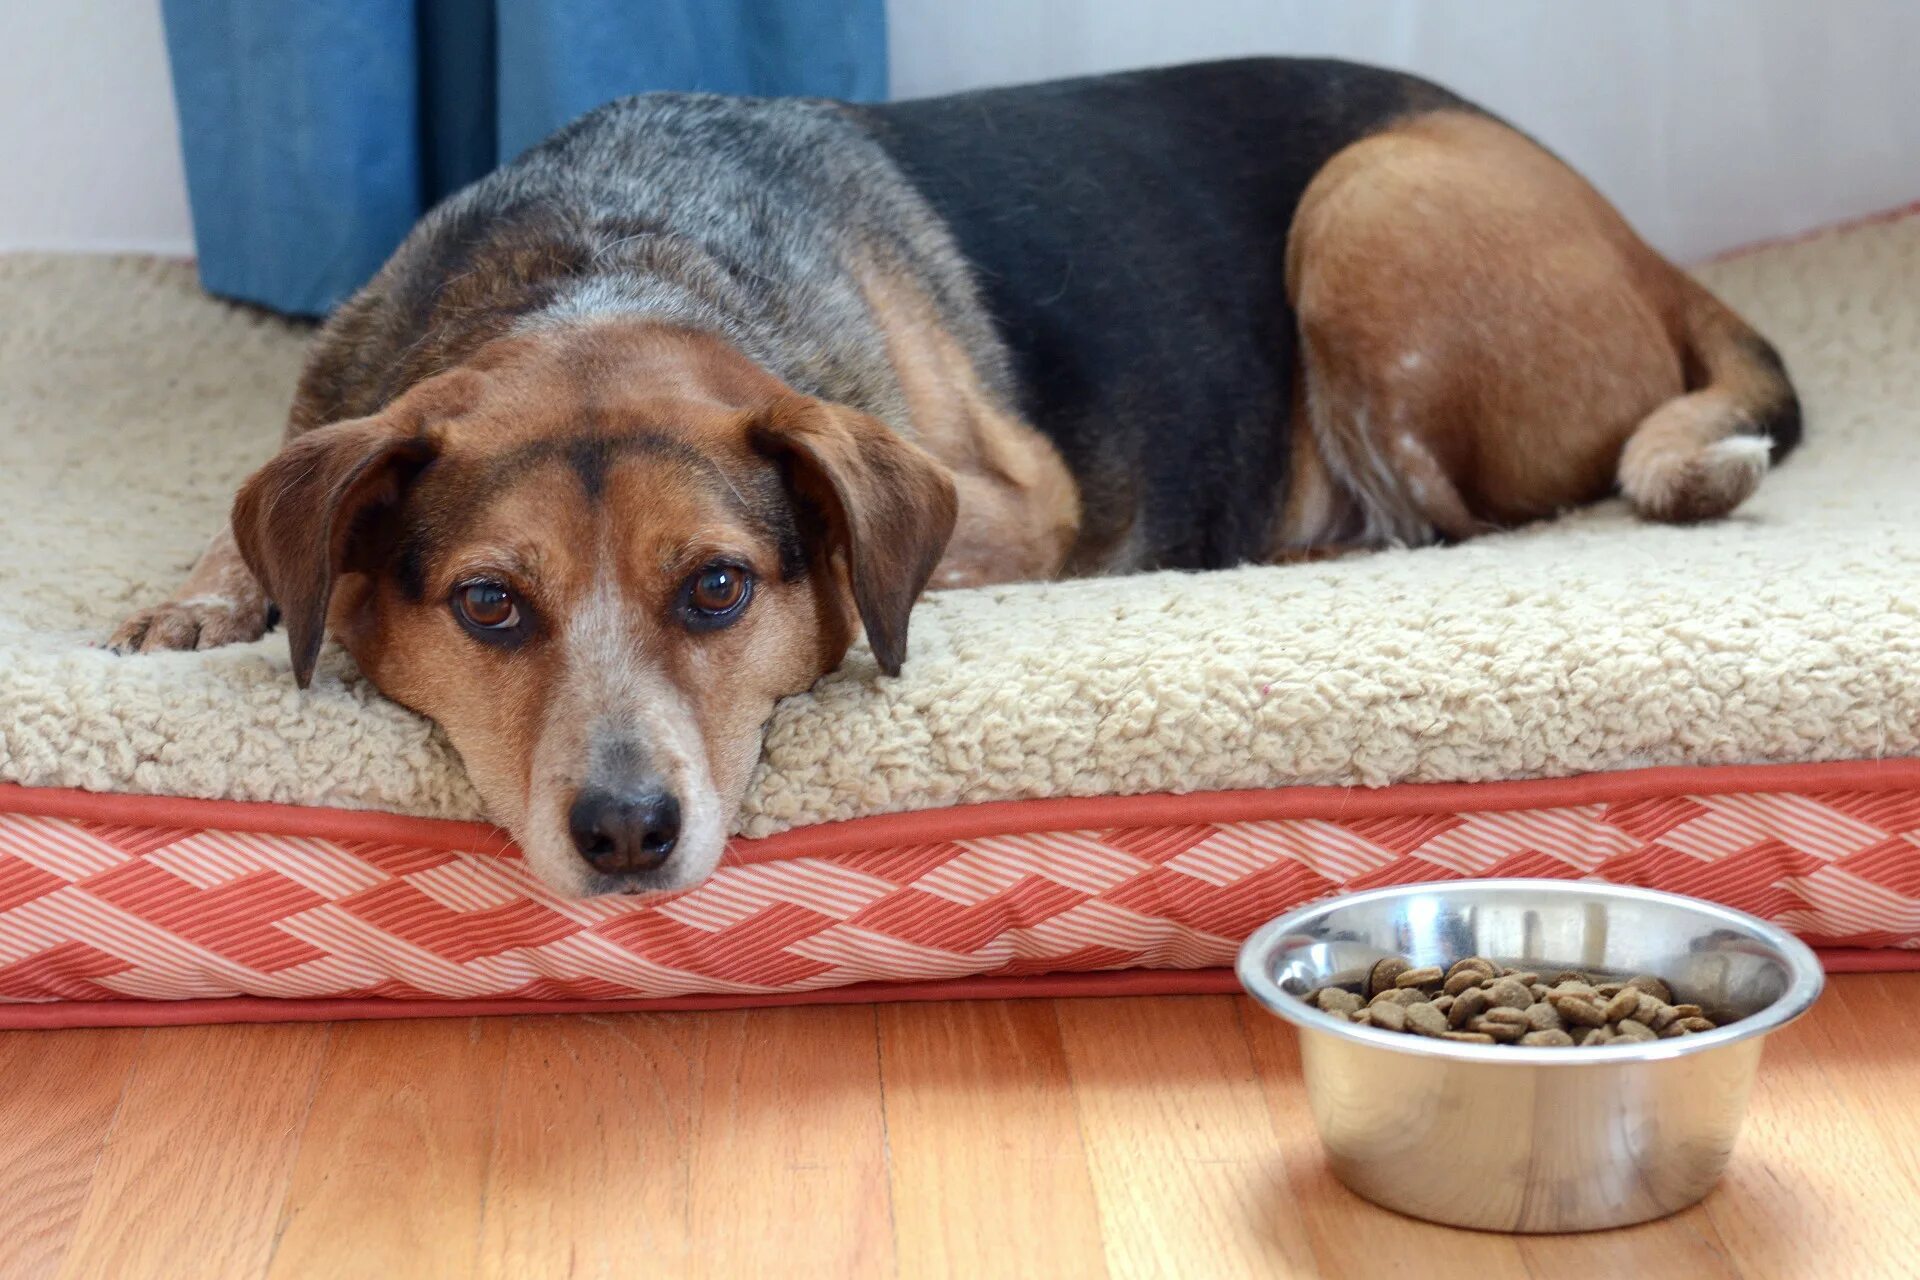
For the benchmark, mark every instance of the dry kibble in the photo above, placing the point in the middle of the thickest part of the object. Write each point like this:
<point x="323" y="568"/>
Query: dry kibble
<point x="1467" y="1006"/>
<point x="1652" y="986"/>
<point x="1381" y="977"/>
<point x="1473" y="964"/>
<point x="1622" y="1005"/>
<point x="1475" y="1001"/>
<point x="1425" y="976"/>
<point x="1577" y="1010"/>
<point x="1510" y="993"/>
<point x="1400" y="996"/>
<point x="1544" y="1017"/>
<point x="1424" y="1019"/>
<point x="1504" y="1025"/>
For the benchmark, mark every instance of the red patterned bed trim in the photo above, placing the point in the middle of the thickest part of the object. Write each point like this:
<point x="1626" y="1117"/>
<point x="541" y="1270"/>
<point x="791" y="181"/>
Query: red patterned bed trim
<point x="109" y="901"/>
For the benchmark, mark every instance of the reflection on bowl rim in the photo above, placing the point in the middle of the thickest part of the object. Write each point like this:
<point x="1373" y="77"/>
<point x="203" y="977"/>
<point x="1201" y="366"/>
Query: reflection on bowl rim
<point x="1253" y="968"/>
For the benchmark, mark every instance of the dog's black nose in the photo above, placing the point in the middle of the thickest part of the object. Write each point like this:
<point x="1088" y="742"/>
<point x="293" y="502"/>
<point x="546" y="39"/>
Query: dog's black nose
<point x="624" y="832"/>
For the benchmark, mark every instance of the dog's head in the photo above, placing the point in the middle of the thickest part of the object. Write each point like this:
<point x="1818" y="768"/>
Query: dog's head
<point x="597" y="558"/>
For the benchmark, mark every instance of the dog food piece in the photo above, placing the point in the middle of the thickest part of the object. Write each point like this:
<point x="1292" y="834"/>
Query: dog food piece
<point x="1622" y="1005"/>
<point x="1400" y="996"/>
<point x="1389" y="1016"/>
<point x="1477" y="964"/>
<point x="1504" y="1025"/>
<point x="1652" y="986"/>
<point x="1510" y="993"/>
<point x="1381" y="977"/>
<point x="1467" y="1006"/>
<point x="1475" y="1001"/>
<point x="1425" y="1020"/>
<point x="1426" y="976"/>
<point x="1542" y="1016"/>
<point x="1577" y="1010"/>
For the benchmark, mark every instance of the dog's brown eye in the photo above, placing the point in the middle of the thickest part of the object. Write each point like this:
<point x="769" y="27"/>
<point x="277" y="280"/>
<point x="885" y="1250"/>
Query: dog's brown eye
<point x="487" y="606"/>
<point x="716" y="594"/>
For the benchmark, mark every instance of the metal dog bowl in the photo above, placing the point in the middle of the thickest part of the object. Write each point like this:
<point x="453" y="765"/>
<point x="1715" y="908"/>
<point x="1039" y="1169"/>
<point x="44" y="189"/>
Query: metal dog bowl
<point x="1532" y="1139"/>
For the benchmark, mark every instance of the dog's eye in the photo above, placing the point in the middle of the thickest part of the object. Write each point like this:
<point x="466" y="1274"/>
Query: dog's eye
<point x="486" y="606"/>
<point x="717" y="594"/>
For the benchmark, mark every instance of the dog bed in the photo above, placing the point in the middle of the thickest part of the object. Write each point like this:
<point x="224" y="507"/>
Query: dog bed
<point x="1096" y="785"/>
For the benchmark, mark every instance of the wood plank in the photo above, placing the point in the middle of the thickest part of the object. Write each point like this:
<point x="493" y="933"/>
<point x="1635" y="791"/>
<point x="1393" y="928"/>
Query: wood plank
<point x="197" y="1166"/>
<point x="1823" y="1182"/>
<point x="734" y="1143"/>
<point x="1186" y="1164"/>
<point x="61" y="1092"/>
<point x="989" y="1175"/>
<point x="391" y="1176"/>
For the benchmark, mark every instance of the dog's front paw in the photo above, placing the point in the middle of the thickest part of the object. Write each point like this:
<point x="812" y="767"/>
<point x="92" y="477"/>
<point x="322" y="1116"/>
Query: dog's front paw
<point x="198" y="622"/>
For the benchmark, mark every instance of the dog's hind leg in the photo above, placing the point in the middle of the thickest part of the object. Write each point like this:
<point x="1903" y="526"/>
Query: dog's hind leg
<point x="1484" y="341"/>
<point x="219" y="603"/>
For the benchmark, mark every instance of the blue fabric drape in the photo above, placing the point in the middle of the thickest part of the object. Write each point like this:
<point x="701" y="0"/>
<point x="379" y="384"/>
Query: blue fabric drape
<point x="316" y="131"/>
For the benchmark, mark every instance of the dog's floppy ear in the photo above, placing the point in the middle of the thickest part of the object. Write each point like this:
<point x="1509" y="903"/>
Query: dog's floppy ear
<point x="304" y="518"/>
<point x="887" y="504"/>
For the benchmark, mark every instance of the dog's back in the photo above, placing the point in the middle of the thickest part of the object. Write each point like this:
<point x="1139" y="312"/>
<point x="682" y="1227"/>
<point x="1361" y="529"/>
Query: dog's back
<point x="1129" y="233"/>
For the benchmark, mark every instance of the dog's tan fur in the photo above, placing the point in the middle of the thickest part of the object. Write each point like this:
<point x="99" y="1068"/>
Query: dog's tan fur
<point x="1419" y="251"/>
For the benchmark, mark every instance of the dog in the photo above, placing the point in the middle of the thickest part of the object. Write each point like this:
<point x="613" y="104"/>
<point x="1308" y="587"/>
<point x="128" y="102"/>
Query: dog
<point x="629" y="439"/>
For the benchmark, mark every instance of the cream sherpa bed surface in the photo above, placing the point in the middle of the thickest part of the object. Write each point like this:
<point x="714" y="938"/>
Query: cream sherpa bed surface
<point x="131" y="405"/>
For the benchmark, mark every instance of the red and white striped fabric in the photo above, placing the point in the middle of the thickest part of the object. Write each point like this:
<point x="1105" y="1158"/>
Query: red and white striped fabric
<point x="112" y="901"/>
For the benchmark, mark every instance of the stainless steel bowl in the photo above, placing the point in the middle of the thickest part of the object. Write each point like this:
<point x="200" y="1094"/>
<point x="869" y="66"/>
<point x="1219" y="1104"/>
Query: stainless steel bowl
<point x="1532" y="1139"/>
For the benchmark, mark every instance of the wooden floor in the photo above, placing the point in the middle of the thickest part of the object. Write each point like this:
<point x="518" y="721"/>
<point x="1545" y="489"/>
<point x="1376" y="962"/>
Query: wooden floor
<point x="1128" y="1137"/>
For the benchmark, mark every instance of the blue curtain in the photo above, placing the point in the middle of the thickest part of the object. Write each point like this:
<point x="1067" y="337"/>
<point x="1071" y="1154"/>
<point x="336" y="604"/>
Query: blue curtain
<point x="317" y="131"/>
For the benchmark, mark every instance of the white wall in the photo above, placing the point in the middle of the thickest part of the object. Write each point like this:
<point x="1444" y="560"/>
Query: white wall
<point x="1712" y="122"/>
<point x="89" y="150"/>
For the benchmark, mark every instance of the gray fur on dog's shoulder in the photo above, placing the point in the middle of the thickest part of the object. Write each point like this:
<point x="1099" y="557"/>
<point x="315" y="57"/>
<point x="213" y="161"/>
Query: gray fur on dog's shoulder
<point x="750" y="218"/>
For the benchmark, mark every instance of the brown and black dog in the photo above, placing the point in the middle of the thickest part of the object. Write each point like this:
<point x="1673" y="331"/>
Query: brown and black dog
<point x="629" y="439"/>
